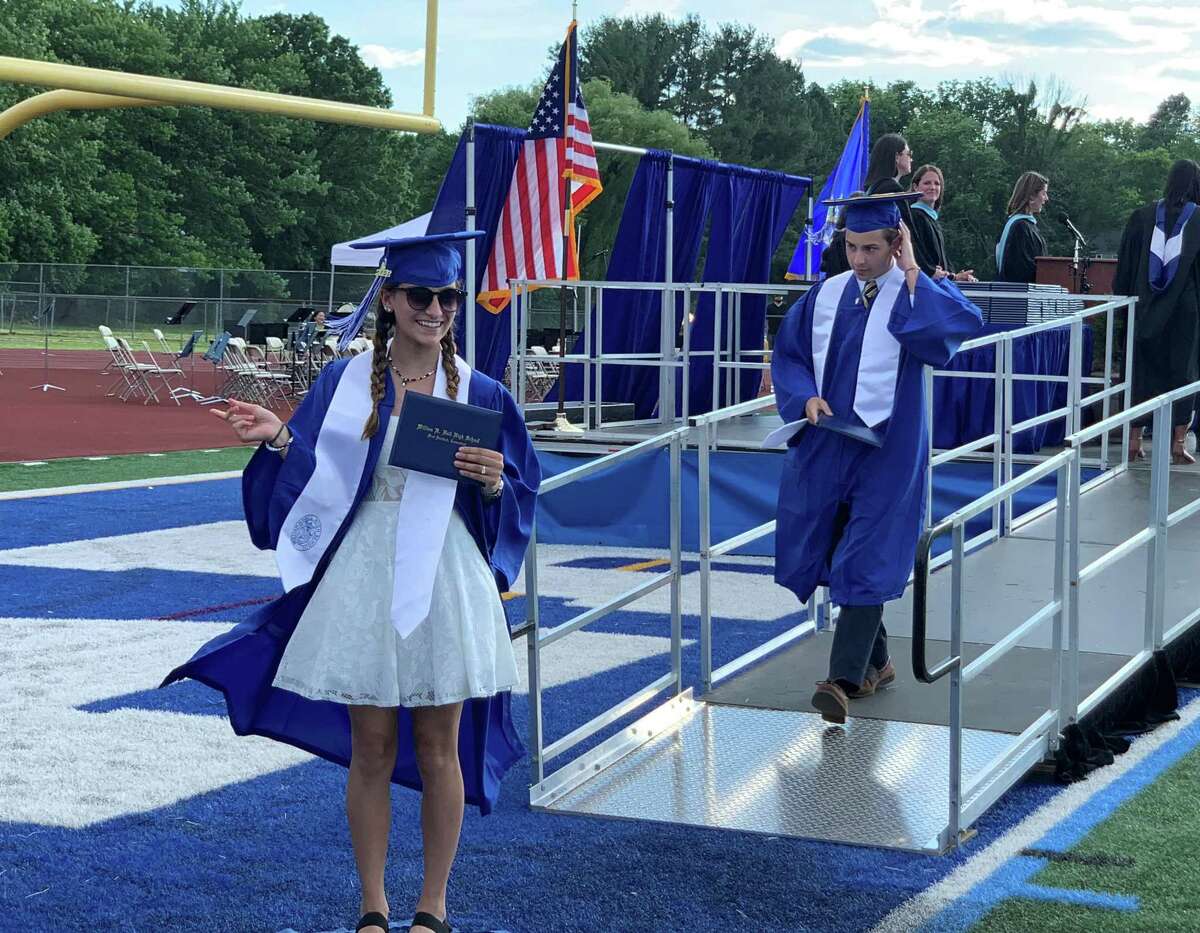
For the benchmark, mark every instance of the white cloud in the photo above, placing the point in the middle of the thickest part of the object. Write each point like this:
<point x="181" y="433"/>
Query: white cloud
<point x="903" y="33"/>
<point x="386" y="59"/>
<point x="1045" y="25"/>
<point x="668" y="8"/>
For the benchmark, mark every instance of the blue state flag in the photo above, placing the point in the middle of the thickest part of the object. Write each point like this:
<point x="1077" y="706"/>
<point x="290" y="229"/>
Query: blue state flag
<point x="846" y="178"/>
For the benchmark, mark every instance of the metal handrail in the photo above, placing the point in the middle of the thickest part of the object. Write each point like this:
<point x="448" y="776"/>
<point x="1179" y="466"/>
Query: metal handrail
<point x="1081" y="437"/>
<point x="953" y="522"/>
<point x="541" y="752"/>
<point x="602" y="463"/>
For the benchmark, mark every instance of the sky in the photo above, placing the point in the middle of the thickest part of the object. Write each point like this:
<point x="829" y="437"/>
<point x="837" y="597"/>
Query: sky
<point x="1118" y="57"/>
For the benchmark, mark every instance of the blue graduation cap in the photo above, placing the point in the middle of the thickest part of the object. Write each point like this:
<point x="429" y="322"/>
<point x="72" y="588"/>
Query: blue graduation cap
<point x="868" y="212"/>
<point x="432" y="261"/>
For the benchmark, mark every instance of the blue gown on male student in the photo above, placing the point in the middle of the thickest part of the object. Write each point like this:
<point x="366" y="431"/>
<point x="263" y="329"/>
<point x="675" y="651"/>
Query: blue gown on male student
<point x="850" y="514"/>
<point x="242" y="662"/>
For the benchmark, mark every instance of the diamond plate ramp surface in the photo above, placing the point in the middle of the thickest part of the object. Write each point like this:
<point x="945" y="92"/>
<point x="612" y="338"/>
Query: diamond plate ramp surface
<point x="784" y="773"/>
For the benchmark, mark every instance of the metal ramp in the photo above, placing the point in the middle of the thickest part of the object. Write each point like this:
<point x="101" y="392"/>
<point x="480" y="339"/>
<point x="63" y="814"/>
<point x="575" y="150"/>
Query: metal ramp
<point x="777" y="772"/>
<point x="1108" y="587"/>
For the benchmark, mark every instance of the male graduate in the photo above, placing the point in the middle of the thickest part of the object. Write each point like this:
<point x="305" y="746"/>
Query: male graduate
<point x="847" y="370"/>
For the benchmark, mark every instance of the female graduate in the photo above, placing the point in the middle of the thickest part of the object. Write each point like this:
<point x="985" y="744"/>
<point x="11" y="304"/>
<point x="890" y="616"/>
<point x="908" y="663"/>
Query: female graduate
<point x="389" y="652"/>
<point x="1159" y="261"/>
<point x="929" y="244"/>
<point x="847" y="370"/>
<point x="1021" y="242"/>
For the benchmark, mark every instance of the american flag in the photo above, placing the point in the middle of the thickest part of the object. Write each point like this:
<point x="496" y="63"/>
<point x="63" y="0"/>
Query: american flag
<point x="529" y="237"/>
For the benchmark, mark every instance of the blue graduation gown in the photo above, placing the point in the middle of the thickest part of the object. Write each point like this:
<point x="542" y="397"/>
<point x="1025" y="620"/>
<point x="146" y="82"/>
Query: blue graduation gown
<point x="242" y="662"/>
<point x="849" y="514"/>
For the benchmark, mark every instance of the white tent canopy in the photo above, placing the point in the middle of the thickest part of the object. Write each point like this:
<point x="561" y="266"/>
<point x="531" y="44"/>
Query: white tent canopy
<point x="344" y="254"/>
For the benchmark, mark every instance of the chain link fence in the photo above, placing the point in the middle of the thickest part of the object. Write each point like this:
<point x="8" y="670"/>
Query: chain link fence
<point x="72" y="300"/>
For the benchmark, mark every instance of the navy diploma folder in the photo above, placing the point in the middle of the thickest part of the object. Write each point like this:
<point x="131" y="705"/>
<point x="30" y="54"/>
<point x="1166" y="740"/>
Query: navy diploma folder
<point x="856" y="431"/>
<point x="432" y="429"/>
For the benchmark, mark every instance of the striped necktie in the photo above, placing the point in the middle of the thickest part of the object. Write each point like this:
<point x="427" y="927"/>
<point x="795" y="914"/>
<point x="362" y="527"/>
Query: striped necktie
<point x="870" y="290"/>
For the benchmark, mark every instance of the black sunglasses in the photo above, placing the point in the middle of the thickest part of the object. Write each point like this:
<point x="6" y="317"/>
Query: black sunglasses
<point x="420" y="297"/>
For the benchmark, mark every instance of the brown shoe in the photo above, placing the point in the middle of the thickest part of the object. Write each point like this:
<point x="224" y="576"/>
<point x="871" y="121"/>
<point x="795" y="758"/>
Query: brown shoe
<point x="830" y="701"/>
<point x="875" y="680"/>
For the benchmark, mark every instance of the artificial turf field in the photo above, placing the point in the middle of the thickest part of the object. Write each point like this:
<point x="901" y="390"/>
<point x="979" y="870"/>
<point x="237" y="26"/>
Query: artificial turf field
<point x="123" y="807"/>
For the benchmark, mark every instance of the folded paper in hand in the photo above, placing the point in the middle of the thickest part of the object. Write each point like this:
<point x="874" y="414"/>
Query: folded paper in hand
<point x="432" y="429"/>
<point x="781" y="435"/>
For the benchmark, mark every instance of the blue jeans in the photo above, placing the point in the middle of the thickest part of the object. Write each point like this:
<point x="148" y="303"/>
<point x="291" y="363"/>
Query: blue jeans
<point x="859" y="639"/>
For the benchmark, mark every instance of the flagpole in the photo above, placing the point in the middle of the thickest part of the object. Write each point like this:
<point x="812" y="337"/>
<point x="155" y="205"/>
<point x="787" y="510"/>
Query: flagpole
<point x="561" y="423"/>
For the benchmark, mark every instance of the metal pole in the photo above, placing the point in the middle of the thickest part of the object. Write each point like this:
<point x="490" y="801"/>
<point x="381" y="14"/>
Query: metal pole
<point x="956" y="619"/>
<point x="686" y="357"/>
<point x="705" y="559"/>
<point x="560" y="421"/>
<point x="1008" y="440"/>
<point x="332" y="273"/>
<point x="1156" y="562"/>
<point x="808" y="226"/>
<point x="999" y="508"/>
<point x="676" y="562"/>
<point x="927" y="373"/>
<point x="1130" y="317"/>
<point x="534" y="646"/>
<point x="1109" y="326"/>
<point x="600" y="357"/>
<point x="666" y="330"/>
<point x="1075" y="377"/>
<point x="514" y="353"/>
<point x="1062" y="589"/>
<point x="718" y="310"/>
<point x="589" y="374"/>
<point x="470" y="210"/>
<point x="1071" y="700"/>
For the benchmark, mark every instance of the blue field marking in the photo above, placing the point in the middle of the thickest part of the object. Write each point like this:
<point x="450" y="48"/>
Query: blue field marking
<point x="56" y="519"/>
<point x="273" y="853"/>
<point x="1012" y="879"/>
<point x="142" y="593"/>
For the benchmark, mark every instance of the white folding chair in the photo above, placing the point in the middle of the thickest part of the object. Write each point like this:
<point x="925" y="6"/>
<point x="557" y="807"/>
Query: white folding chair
<point x="162" y="341"/>
<point x="162" y="372"/>
<point x="106" y="334"/>
<point x="134" y="374"/>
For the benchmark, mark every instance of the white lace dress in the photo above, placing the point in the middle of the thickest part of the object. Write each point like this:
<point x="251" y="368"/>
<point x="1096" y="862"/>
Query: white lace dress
<point x="344" y="648"/>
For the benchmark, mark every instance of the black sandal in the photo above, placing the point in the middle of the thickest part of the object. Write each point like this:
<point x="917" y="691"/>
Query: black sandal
<point x="372" y="919"/>
<point x="429" y="920"/>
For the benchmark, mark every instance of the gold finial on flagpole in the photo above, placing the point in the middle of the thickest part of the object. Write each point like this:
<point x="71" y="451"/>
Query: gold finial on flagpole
<point x="866" y="95"/>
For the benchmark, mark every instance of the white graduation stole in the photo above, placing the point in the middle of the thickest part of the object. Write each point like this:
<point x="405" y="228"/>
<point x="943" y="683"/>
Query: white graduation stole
<point x="879" y="363"/>
<point x="341" y="454"/>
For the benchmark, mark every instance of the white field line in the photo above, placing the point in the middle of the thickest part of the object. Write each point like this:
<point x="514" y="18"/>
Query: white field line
<point x="925" y="907"/>
<point x="118" y="484"/>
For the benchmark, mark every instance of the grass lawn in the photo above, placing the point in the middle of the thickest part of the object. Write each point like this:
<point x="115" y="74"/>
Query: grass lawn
<point x="88" y="338"/>
<point x="1146" y="849"/>
<point x="76" y="471"/>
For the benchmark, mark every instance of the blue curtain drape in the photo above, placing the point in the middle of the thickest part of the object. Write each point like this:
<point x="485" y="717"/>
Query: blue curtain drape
<point x="631" y="318"/>
<point x="751" y="210"/>
<point x="496" y="151"/>
<point x="963" y="409"/>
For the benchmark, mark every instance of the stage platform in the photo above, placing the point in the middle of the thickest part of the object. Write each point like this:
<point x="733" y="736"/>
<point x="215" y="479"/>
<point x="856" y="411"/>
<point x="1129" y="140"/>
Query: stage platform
<point x="751" y="755"/>
<point x="744" y="433"/>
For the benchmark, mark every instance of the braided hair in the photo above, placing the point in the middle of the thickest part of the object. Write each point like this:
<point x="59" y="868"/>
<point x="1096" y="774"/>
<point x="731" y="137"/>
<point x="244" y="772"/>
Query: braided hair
<point x="385" y="325"/>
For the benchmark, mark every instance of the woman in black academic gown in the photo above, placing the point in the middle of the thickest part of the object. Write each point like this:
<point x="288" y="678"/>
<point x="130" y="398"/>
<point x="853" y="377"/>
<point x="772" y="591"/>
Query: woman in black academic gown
<point x="1021" y="241"/>
<point x="929" y="244"/>
<point x="1166" y="353"/>
<point x="890" y="160"/>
